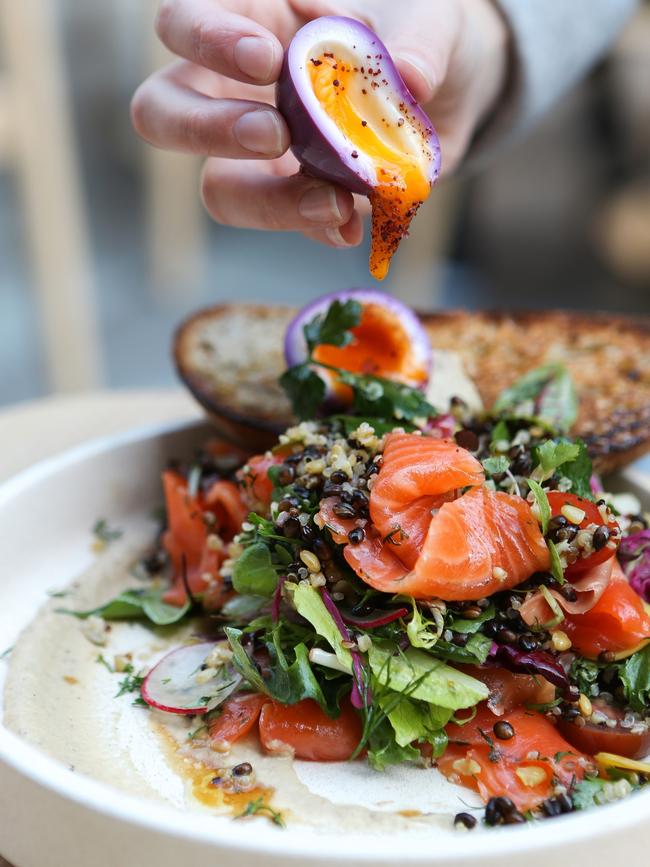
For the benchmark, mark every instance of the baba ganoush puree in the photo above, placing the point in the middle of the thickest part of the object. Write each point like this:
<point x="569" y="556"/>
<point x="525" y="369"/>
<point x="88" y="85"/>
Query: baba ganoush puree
<point x="62" y="699"/>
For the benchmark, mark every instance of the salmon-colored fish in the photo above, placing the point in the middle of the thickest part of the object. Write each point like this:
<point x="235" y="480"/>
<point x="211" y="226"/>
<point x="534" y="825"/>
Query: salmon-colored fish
<point x="476" y="545"/>
<point x="418" y="475"/>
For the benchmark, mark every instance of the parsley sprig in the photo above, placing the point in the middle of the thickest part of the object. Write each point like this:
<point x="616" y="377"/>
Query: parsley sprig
<point x="372" y="395"/>
<point x="258" y="807"/>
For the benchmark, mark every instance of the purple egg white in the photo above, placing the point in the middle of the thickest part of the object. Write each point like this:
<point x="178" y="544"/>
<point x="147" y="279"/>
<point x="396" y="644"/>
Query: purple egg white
<point x="295" y="347"/>
<point x="318" y="143"/>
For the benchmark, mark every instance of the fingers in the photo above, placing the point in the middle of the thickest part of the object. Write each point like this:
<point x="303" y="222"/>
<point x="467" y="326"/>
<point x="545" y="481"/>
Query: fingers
<point x="169" y="114"/>
<point x="348" y="235"/>
<point x="251" y="197"/>
<point x="206" y="34"/>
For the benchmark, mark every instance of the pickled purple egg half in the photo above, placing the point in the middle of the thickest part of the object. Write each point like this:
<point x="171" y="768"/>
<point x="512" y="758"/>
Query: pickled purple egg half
<point x="389" y="341"/>
<point x="353" y="121"/>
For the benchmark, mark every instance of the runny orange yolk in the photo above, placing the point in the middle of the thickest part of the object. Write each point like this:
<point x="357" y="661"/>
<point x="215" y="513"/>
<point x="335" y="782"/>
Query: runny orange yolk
<point x="380" y="347"/>
<point x="402" y="185"/>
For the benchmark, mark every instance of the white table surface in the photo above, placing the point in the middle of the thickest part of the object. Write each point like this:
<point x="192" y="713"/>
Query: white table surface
<point x="36" y="430"/>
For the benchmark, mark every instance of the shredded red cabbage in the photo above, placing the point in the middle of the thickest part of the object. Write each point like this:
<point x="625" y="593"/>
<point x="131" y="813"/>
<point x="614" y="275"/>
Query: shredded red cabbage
<point x="277" y="599"/>
<point x="442" y="426"/>
<point x="634" y="554"/>
<point x="376" y="618"/>
<point x="530" y="662"/>
<point x="360" y="696"/>
<point x="595" y="484"/>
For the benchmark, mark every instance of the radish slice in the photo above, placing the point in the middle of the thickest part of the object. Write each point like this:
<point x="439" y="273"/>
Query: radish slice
<point x="177" y="683"/>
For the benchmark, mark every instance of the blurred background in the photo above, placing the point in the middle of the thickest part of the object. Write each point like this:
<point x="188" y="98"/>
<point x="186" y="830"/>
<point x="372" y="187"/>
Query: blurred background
<point x="104" y="246"/>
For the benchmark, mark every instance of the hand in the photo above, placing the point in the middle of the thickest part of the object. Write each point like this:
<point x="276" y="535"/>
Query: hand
<point x="217" y="101"/>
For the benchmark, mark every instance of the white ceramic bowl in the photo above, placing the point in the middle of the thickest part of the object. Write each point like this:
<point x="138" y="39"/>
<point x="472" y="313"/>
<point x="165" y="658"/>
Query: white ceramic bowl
<point x="50" y="816"/>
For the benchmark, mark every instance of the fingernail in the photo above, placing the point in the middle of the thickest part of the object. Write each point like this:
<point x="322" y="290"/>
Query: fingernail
<point x="259" y="132"/>
<point x="255" y="56"/>
<point x="419" y="68"/>
<point x="335" y="236"/>
<point x="319" y="205"/>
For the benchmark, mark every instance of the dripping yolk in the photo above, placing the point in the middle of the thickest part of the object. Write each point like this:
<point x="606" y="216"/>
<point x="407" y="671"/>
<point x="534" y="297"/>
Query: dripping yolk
<point x="352" y="96"/>
<point x="381" y="347"/>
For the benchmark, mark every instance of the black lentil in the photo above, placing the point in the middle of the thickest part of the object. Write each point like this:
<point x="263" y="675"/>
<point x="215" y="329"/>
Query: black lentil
<point x="291" y="527"/>
<point x="344" y="510"/>
<point x="286" y="474"/>
<point x="601" y="538"/>
<point x="322" y="550"/>
<point x="242" y="770"/>
<point x="154" y="563"/>
<point x="528" y="642"/>
<point x="501" y="811"/>
<point x="572" y="693"/>
<point x="522" y="465"/>
<point x="307" y="533"/>
<point x="357" y="535"/>
<point x="568" y="592"/>
<point x="503" y="730"/>
<point x="466" y="820"/>
<point x="557" y="522"/>
<point x="467" y="439"/>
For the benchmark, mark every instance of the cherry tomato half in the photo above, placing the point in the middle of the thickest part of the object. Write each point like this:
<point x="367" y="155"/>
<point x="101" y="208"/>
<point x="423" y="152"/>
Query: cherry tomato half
<point x="592" y="739"/>
<point x="238" y="716"/>
<point x="557" y="501"/>
<point x="308" y="732"/>
<point x="619" y="622"/>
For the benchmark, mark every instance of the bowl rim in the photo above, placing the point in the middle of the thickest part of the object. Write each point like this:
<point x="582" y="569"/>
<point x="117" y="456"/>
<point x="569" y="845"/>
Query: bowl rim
<point x="53" y="776"/>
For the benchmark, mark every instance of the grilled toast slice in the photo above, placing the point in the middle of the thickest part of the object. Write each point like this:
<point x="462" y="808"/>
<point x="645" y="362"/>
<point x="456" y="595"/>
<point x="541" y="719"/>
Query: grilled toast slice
<point x="230" y="357"/>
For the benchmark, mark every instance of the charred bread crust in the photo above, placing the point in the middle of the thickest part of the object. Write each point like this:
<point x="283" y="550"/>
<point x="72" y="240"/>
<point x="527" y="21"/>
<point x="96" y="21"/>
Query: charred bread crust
<point x="608" y="356"/>
<point x="230" y="357"/>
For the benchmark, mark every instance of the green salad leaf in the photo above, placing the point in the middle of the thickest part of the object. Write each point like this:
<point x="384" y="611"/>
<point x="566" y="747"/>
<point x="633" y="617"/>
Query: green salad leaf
<point x="414" y="720"/>
<point x="254" y="572"/>
<point x="556" y="563"/>
<point x="596" y="791"/>
<point x="635" y="675"/>
<point x="241" y="607"/>
<point x="495" y="466"/>
<point x="288" y="682"/>
<point x="422" y="632"/>
<point x="462" y="624"/>
<point x="579" y="472"/>
<point x="542" y="503"/>
<point x="439" y="684"/>
<point x="546" y="393"/>
<point x="383" y="749"/>
<point x="552" y="454"/>
<point x="385" y="398"/>
<point x="475" y="652"/>
<point x="333" y="327"/>
<point x="137" y="604"/>
<point x="305" y="389"/>
<point x="309" y="604"/>
<point x="584" y="673"/>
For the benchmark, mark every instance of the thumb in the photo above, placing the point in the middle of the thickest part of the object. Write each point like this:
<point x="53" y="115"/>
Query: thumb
<point x="421" y="44"/>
